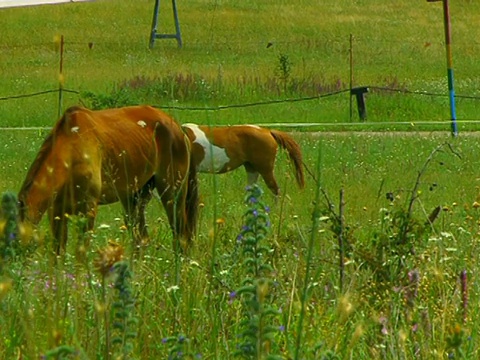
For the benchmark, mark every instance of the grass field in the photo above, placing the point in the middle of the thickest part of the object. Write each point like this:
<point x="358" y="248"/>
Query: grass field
<point x="403" y="284"/>
<point x="226" y="59"/>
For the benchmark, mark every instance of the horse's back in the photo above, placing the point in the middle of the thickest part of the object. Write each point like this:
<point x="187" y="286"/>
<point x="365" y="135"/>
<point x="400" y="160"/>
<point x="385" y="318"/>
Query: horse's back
<point x="116" y="151"/>
<point x="234" y="137"/>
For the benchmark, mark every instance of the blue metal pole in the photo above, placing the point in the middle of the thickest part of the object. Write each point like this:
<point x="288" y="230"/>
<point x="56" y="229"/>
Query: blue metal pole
<point x="448" y="48"/>
<point x="448" y="44"/>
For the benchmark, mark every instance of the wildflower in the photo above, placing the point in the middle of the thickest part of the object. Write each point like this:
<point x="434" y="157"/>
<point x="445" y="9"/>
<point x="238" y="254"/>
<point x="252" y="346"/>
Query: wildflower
<point x="5" y="287"/>
<point x="107" y="257"/>
<point x="173" y="288"/>
<point x="412" y="292"/>
<point x="357" y="334"/>
<point x="181" y="338"/>
<point x="383" y="322"/>
<point x="345" y="308"/>
<point x="100" y="308"/>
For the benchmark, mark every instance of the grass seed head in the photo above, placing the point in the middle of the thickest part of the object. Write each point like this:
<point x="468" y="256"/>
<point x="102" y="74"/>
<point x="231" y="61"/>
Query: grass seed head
<point x="107" y="257"/>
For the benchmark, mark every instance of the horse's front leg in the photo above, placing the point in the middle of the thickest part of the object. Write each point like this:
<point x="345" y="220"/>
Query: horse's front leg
<point x="59" y="229"/>
<point x="134" y="217"/>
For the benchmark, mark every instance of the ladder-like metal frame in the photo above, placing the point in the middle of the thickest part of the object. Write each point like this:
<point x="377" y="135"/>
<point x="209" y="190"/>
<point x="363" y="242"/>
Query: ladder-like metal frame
<point x="155" y="35"/>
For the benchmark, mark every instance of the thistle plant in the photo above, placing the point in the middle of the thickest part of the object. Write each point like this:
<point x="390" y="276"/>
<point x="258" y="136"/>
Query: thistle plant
<point x="257" y="326"/>
<point x="124" y="321"/>
<point x="9" y="233"/>
<point x="180" y="348"/>
<point x="119" y="338"/>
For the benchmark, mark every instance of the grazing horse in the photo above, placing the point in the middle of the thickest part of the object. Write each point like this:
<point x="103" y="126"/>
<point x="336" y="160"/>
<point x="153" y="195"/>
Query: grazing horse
<point x="92" y="158"/>
<point x="222" y="149"/>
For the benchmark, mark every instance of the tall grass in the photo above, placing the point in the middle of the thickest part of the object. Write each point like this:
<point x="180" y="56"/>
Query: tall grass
<point x="397" y="300"/>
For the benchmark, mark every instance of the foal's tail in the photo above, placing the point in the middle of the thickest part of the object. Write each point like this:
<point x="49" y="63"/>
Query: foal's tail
<point x="286" y="142"/>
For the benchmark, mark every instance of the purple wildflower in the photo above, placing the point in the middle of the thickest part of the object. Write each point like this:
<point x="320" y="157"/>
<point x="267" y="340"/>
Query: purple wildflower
<point x="412" y="291"/>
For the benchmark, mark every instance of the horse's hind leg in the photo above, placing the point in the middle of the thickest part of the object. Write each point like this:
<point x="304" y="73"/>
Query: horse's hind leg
<point x="143" y="197"/>
<point x="174" y="204"/>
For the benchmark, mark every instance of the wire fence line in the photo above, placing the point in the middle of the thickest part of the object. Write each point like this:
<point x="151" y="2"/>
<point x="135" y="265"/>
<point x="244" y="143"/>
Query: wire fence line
<point x="273" y="102"/>
<point x="194" y="108"/>
<point x="346" y="125"/>
<point x="257" y="103"/>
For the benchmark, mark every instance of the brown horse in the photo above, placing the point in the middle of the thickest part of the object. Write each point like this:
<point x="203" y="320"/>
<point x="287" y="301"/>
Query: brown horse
<point x="92" y="158"/>
<point x="222" y="149"/>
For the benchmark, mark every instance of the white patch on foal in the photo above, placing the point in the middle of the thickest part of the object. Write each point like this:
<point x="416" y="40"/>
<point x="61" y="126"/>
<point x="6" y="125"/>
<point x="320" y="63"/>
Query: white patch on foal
<point x="215" y="157"/>
<point x="250" y="125"/>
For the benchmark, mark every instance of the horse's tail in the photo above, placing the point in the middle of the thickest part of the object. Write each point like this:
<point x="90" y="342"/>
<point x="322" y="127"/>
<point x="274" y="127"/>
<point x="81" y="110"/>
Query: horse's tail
<point x="286" y="142"/>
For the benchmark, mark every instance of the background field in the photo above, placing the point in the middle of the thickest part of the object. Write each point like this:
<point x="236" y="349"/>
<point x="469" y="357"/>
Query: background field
<point x="226" y="59"/>
<point x="402" y="295"/>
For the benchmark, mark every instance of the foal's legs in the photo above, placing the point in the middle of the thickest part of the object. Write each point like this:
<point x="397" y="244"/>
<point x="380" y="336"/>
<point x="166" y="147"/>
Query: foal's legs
<point x="252" y="176"/>
<point x="267" y="175"/>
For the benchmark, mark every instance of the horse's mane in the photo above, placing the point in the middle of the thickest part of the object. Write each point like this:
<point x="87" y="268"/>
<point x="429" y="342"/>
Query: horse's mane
<point x="46" y="149"/>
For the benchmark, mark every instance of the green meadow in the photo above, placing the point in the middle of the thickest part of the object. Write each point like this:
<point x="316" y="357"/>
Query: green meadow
<point x="375" y="259"/>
